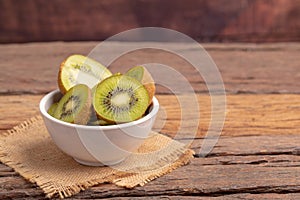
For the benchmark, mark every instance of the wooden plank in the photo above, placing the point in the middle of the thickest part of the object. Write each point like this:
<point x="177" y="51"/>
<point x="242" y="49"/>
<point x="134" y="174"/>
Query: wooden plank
<point x="245" y="68"/>
<point x="242" y="172"/>
<point x="15" y="109"/>
<point x="274" y="196"/>
<point x="245" y="114"/>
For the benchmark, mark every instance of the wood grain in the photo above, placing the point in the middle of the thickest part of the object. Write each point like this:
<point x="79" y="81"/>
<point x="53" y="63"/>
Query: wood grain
<point x="227" y="172"/>
<point x="223" y="197"/>
<point x="245" y="114"/>
<point x="257" y="155"/>
<point x="248" y="165"/>
<point x="266" y="68"/>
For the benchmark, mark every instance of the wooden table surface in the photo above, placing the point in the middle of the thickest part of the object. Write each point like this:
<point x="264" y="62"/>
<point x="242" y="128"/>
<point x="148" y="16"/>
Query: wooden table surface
<point x="256" y="157"/>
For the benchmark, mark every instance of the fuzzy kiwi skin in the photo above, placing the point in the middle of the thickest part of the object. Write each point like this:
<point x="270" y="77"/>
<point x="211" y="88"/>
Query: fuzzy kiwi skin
<point x="84" y="116"/>
<point x="149" y="84"/>
<point x="81" y="117"/>
<point x="61" y="87"/>
<point x="146" y="79"/>
<point x="60" y="83"/>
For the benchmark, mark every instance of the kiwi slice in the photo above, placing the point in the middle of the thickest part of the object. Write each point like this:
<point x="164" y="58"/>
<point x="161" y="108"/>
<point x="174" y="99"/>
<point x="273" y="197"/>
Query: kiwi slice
<point x="52" y="109"/>
<point x="120" y="98"/>
<point x="142" y="74"/>
<point x="94" y="121"/>
<point x="136" y="72"/>
<point x="99" y="122"/>
<point x="75" y="105"/>
<point x="78" y="69"/>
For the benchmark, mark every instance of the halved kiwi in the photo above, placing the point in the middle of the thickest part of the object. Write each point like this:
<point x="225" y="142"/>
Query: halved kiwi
<point x="120" y="98"/>
<point x="78" y="69"/>
<point x="136" y="72"/>
<point x="99" y="122"/>
<point x="142" y="74"/>
<point x="94" y="121"/>
<point x="52" y="109"/>
<point x="75" y="105"/>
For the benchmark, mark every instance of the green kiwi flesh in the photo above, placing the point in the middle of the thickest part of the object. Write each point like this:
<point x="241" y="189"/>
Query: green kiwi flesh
<point x="120" y="98"/>
<point x="136" y="72"/>
<point x="75" y="105"/>
<point x="142" y="74"/>
<point x="94" y="121"/>
<point x="78" y="69"/>
<point x="52" y="109"/>
<point x="99" y="122"/>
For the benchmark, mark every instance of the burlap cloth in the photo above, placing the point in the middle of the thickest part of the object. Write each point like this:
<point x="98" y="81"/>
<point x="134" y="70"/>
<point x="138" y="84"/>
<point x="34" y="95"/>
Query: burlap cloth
<point x="29" y="150"/>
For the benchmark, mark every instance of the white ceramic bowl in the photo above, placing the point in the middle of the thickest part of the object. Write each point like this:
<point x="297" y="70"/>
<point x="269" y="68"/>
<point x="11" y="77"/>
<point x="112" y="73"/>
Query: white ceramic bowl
<point x="97" y="145"/>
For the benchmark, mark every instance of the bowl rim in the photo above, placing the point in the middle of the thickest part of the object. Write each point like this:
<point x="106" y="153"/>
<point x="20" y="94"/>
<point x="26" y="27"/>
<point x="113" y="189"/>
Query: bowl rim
<point x="47" y="97"/>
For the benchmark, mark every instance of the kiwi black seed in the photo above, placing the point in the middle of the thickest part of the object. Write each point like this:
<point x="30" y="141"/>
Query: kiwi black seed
<point x="120" y="98"/>
<point x="75" y="105"/>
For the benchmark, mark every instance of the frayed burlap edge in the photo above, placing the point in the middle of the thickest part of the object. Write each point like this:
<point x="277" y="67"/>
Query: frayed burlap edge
<point x="130" y="182"/>
<point x="123" y="179"/>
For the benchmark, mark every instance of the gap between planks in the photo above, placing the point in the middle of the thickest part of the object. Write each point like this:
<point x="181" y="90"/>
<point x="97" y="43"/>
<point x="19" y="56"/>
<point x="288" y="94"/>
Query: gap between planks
<point x="245" y="68"/>
<point x="245" y="114"/>
<point x="233" y="175"/>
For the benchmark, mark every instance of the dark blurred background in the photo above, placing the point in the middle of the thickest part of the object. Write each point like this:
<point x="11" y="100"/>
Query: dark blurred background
<point x="203" y="20"/>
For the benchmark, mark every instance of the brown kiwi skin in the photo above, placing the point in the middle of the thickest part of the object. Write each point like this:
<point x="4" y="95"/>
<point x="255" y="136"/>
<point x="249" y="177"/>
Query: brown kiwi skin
<point x="59" y="81"/>
<point x="146" y="80"/>
<point x="149" y="84"/>
<point x="84" y="116"/>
